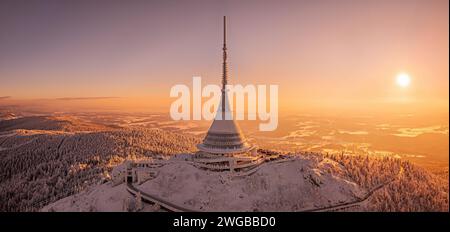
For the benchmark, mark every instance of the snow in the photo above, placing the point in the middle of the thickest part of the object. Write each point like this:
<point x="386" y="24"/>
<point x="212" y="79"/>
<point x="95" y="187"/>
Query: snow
<point x="47" y="157"/>
<point x="302" y="183"/>
<point x="104" y="198"/>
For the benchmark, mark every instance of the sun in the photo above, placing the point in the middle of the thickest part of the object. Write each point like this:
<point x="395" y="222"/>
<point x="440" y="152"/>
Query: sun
<point x="403" y="80"/>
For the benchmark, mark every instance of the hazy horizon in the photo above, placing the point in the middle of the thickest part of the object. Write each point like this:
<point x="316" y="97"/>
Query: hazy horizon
<point x="323" y="55"/>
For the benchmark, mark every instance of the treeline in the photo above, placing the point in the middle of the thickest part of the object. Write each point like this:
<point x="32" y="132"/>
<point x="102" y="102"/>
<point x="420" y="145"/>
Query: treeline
<point x="46" y="167"/>
<point x="368" y="172"/>
<point x="415" y="189"/>
<point x="409" y="188"/>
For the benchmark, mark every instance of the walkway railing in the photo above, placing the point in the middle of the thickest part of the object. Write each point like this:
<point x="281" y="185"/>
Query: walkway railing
<point x="157" y="200"/>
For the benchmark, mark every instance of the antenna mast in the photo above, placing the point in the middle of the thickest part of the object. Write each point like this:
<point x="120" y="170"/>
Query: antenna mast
<point x="224" y="65"/>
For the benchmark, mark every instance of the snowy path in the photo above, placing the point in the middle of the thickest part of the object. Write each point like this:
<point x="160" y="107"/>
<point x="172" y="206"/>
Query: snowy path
<point x="357" y="202"/>
<point x="156" y="200"/>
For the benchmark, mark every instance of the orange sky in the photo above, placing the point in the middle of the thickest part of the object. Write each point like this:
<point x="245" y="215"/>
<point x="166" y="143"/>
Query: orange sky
<point x="324" y="55"/>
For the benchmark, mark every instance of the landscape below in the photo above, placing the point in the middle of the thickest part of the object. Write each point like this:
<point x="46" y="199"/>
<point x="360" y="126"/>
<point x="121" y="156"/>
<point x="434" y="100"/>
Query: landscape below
<point x="64" y="163"/>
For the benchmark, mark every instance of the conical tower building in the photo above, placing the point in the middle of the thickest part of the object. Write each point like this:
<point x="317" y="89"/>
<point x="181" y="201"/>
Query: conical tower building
<point x="224" y="136"/>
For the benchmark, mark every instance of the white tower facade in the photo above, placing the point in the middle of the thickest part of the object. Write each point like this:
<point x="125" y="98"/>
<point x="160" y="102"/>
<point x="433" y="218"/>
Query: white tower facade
<point x="224" y="137"/>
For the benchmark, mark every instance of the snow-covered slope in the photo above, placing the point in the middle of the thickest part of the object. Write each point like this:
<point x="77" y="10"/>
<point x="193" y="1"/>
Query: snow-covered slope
<point x="103" y="197"/>
<point x="41" y="166"/>
<point x="293" y="185"/>
<point x="302" y="183"/>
